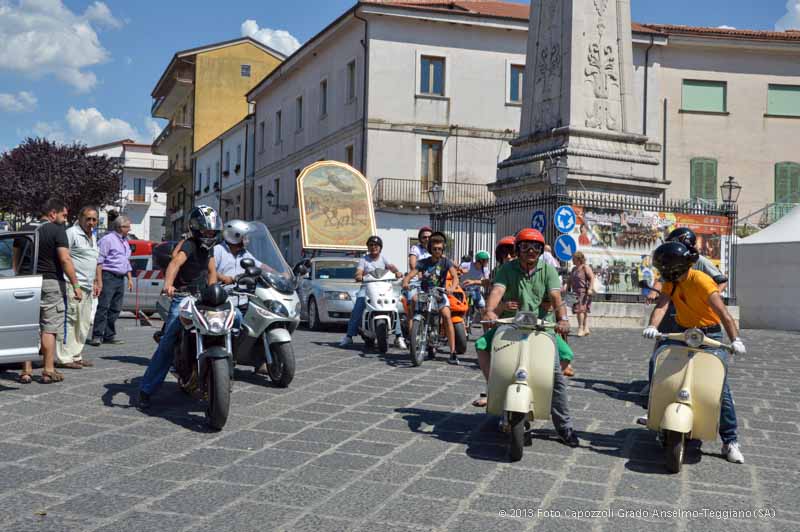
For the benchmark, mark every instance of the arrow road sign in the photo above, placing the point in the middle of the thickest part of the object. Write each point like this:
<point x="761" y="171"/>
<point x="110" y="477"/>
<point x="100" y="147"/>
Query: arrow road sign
<point x="565" y="247"/>
<point x="539" y="221"/>
<point x="564" y="219"/>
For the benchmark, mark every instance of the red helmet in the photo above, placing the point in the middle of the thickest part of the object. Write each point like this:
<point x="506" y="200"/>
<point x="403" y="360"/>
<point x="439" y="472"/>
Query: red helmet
<point x="507" y="241"/>
<point x="529" y="235"/>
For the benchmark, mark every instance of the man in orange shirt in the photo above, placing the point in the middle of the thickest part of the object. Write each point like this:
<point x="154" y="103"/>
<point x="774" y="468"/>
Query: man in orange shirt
<point x="698" y="304"/>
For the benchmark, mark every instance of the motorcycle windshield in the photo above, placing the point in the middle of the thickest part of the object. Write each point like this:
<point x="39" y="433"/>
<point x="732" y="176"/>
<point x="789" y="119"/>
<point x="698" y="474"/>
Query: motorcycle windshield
<point x="259" y="242"/>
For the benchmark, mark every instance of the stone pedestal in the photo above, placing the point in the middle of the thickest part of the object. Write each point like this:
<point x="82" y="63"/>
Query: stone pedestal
<point x="577" y="109"/>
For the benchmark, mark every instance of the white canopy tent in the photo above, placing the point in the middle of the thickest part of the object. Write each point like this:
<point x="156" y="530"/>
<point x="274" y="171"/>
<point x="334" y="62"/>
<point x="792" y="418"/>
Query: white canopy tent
<point x="768" y="276"/>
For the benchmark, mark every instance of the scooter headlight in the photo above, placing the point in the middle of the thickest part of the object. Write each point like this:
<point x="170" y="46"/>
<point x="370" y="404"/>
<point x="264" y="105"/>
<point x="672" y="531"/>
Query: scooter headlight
<point x="276" y="307"/>
<point x="216" y="320"/>
<point x="694" y="337"/>
<point x="521" y="375"/>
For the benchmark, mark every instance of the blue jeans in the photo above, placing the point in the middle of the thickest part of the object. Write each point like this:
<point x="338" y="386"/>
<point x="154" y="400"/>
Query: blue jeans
<point x="162" y="359"/>
<point x="355" y="318"/>
<point x="474" y="292"/>
<point x="727" y="415"/>
<point x="109" y="305"/>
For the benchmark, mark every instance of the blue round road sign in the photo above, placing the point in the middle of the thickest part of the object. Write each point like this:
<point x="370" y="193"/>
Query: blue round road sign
<point x="539" y="221"/>
<point x="564" y="219"/>
<point x="565" y="247"/>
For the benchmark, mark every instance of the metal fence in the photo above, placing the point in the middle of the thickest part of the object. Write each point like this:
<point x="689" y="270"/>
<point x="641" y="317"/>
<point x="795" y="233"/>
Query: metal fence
<point x="615" y="232"/>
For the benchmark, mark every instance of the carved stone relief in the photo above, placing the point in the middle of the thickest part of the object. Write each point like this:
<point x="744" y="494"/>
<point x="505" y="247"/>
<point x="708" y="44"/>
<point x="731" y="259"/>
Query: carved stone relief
<point x="547" y="70"/>
<point x="602" y="72"/>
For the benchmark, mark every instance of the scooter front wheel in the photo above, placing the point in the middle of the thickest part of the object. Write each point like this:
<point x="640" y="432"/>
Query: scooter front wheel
<point x="416" y="344"/>
<point x="674" y="448"/>
<point x="218" y="387"/>
<point x="382" y="336"/>
<point x="517" y="422"/>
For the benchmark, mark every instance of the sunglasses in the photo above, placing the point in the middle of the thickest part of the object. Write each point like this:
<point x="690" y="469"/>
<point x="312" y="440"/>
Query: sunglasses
<point x="531" y="246"/>
<point x="91" y="219"/>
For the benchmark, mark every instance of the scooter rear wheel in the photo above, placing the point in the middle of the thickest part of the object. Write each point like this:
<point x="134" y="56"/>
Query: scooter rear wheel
<point x="674" y="448"/>
<point x="517" y="422"/>
<point x="461" y="337"/>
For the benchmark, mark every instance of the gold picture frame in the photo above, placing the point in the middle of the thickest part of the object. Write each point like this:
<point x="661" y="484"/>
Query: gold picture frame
<point x="336" y="210"/>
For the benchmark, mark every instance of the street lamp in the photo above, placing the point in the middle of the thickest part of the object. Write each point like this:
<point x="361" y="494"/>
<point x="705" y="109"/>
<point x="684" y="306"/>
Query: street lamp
<point x="278" y="206"/>
<point x="436" y="196"/>
<point x="730" y="190"/>
<point x="558" y="173"/>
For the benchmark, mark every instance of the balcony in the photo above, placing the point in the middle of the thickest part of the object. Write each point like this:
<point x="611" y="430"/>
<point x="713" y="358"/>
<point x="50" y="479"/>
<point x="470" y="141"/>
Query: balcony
<point x="412" y="194"/>
<point x="172" y="136"/>
<point x="173" y="93"/>
<point x="138" y="199"/>
<point x="173" y="177"/>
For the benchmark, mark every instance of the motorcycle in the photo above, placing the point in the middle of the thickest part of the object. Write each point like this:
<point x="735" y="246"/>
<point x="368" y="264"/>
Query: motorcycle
<point x="425" y="325"/>
<point x="685" y="393"/>
<point x="380" y="316"/>
<point x="203" y="363"/>
<point x="520" y="387"/>
<point x="270" y="308"/>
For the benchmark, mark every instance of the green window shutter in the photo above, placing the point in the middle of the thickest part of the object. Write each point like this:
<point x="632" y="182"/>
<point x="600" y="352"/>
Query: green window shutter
<point x="710" y="184"/>
<point x="783" y="100"/>
<point x="708" y="96"/>
<point x="703" y="184"/>
<point x="787" y="183"/>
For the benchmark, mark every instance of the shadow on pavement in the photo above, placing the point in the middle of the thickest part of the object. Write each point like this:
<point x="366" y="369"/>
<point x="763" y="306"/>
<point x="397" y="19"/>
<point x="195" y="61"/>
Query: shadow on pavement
<point x="624" y="391"/>
<point x="128" y="359"/>
<point x="169" y="403"/>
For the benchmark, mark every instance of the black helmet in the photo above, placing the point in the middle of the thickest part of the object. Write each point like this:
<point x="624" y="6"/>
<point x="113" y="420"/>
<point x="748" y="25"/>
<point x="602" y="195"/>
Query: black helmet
<point x="684" y="235"/>
<point x="375" y="239"/>
<point x="673" y="259"/>
<point x="213" y="296"/>
<point x="202" y="220"/>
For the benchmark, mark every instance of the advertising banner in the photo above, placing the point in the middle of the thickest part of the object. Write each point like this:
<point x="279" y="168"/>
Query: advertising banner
<point x="618" y="243"/>
<point x="336" y="209"/>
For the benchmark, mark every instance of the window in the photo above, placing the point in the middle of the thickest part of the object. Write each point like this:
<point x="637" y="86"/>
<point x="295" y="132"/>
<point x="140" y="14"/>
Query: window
<point x="704" y="96"/>
<point x="351" y="81"/>
<point x="139" y="187"/>
<point x="261" y="136"/>
<point x="515" y="88"/>
<point x="199" y="181"/>
<point x="296" y="175"/>
<point x="228" y="162"/>
<point x="783" y="100"/>
<point x="208" y="177"/>
<point x="239" y="155"/>
<point x="185" y="159"/>
<point x="348" y="154"/>
<point x="260" y="201"/>
<point x="216" y="171"/>
<point x="431" y="75"/>
<point x="323" y="98"/>
<point x="431" y="171"/>
<point x="703" y="183"/>
<point x="787" y="183"/>
<point x="299" y="107"/>
<point x="278" y="127"/>
<point x="277" y="198"/>
<point x="245" y="71"/>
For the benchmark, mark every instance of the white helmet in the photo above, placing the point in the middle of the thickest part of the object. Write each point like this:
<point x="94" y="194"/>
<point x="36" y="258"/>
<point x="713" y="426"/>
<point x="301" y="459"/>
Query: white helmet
<point x="234" y="231"/>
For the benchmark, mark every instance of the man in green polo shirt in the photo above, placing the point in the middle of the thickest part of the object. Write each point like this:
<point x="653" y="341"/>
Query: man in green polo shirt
<point x="522" y="284"/>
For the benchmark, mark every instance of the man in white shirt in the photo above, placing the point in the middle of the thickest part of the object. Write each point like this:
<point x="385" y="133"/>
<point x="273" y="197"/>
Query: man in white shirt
<point x="83" y="251"/>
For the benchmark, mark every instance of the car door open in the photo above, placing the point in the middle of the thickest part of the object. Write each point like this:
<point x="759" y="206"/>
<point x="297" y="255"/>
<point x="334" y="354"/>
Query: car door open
<point x="20" y="296"/>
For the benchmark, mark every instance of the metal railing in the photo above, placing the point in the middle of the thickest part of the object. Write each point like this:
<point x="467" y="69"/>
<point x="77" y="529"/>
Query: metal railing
<point x="403" y="193"/>
<point x="775" y="212"/>
<point x="138" y="198"/>
<point x="169" y="129"/>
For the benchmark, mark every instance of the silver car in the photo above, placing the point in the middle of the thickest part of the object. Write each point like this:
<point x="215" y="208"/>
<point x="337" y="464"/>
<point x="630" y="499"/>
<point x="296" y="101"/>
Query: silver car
<point x="328" y="291"/>
<point x="20" y="294"/>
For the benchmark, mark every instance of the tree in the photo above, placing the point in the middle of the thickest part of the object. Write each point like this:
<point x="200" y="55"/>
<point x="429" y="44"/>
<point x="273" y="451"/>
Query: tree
<point x="39" y="169"/>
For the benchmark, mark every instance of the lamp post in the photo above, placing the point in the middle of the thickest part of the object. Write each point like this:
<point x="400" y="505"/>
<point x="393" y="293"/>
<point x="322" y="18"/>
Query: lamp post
<point x="436" y="196"/>
<point x="278" y="206"/>
<point x="730" y="191"/>
<point x="730" y="195"/>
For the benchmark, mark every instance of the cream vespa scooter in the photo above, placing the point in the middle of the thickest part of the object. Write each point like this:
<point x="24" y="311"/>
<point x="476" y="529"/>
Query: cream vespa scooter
<point x="520" y="385"/>
<point x="686" y="393"/>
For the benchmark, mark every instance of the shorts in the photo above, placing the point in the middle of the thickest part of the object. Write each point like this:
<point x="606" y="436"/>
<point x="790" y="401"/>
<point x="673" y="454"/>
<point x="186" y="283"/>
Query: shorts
<point x="583" y="303"/>
<point x="52" y="308"/>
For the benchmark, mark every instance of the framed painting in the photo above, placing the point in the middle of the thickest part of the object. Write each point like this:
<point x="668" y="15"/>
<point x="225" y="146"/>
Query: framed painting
<point x="336" y="209"/>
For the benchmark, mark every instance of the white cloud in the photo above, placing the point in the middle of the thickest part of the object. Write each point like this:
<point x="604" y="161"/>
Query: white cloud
<point x="23" y="101"/>
<point x="43" y="37"/>
<point x="89" y="126"/>
<point x="791" y="20"/>
<point x="280" y="40"/>
<point x="726" y="27"/>
<point x="153" y="128"/>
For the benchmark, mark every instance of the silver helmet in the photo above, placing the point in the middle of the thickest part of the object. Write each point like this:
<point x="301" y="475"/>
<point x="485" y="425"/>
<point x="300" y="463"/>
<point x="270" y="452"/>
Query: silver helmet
<point x="234" y="231"/>
<point x="205" y="225"/>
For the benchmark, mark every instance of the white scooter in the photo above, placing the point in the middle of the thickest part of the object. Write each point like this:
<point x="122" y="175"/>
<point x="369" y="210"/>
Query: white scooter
<point x="380" y="315"/>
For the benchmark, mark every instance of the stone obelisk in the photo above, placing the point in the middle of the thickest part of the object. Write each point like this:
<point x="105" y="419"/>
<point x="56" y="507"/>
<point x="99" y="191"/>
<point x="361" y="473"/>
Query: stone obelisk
<point x="578" y="106"/>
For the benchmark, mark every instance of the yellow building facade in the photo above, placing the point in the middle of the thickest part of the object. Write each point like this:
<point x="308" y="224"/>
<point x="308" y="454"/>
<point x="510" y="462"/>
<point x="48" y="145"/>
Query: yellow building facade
<point x="202" y="94"/>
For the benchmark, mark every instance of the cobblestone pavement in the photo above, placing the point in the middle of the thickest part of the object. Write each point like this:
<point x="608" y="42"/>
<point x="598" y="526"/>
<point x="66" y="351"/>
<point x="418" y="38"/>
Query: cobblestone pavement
<point x="368" y="443"/>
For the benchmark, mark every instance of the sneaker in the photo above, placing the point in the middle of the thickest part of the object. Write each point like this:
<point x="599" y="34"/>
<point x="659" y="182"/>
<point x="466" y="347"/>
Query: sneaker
<point x="345" y="341"/>
<point x="144" y="400"/>
<point x="114" y="341"/>
<point x="453" y="359"/>
<point x="732" y="453"/>
<point x="569" y="438"/>
<point x="641" y="420"/>
<point x="400" y="343"/>
<point x="94" y="342"/>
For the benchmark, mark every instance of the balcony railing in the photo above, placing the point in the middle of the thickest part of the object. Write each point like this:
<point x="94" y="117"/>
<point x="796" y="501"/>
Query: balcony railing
<point x="140" y="199"/>
<point x="775" y="212"/>
<point x="412" y="193"/>
<point x="169" y="129"/>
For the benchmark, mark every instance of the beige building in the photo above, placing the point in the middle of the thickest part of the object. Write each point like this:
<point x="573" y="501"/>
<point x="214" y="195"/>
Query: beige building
<point x="723" y="103"/>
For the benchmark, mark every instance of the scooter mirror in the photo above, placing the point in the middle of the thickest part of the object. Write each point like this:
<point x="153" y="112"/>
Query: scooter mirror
<point x="247" y="263"/>
<point x="252" y="271"/>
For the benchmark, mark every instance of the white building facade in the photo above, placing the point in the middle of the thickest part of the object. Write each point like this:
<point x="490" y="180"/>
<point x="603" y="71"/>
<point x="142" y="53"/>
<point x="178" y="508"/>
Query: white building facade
<point x="223" y="172"/>
<point x="137" y="200"/>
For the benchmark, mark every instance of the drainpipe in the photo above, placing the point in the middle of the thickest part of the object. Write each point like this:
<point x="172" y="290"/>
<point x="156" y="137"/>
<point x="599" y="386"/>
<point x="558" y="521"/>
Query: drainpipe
<point x="219" y="182"/>
<point x="664" y="146"/>
<point x="365" y="44"/>
<point x="244" y="168"/>
<point x="646" y="68"/>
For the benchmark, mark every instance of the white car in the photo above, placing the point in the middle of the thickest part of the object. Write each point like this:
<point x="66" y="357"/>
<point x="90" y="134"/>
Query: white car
<point x="20" y="295"/>
<point x="328" y="291"/>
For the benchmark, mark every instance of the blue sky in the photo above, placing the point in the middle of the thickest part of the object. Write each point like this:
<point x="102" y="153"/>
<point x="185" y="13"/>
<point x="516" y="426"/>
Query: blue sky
<point x="79" y="69"/>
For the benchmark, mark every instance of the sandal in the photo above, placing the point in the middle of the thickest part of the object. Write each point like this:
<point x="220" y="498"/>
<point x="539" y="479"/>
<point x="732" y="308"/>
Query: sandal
<point x="480" y="402"/>
<point x="85" y="363"/>
<point x="25" y="378"/>
<point x="49" y="377"/>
